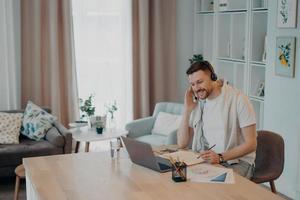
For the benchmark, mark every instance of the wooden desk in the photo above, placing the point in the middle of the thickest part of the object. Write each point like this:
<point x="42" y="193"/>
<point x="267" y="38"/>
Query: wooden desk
<point x="97" y="176"/>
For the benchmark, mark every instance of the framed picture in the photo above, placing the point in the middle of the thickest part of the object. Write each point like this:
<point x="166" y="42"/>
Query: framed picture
<point x="287" y="13"/>
<point x="285" y="56"/>
<point x="97" y="121"/>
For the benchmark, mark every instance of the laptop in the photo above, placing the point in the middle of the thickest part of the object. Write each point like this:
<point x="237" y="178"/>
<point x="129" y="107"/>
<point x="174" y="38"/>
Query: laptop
<point x="141" y="153"/>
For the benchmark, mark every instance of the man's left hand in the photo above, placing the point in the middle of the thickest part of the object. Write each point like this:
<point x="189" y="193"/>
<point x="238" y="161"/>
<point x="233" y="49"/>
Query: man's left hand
<point x="210" y="156"/>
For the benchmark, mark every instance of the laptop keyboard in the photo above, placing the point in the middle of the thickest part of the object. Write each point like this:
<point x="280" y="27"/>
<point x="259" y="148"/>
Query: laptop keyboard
<point x="163" y="166"/>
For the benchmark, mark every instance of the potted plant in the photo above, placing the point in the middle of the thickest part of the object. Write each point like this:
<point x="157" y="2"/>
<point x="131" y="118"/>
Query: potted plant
<point x="99" y="127"/>
<point x="196" y="58"/>
<point x="87" y="108"/>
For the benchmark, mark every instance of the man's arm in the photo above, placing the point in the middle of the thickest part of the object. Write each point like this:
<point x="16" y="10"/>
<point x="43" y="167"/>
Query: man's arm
<point x="185" y="133"/>
<point x="247" y="147"/>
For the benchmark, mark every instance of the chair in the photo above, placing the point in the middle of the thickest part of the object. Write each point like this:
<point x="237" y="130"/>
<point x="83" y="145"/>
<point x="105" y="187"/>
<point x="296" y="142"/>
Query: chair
<point x="140" y="129"/>
<point x="269" y="161"/>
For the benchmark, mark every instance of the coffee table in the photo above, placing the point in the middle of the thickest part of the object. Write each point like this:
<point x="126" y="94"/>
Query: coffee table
<point x="87" y="135"/>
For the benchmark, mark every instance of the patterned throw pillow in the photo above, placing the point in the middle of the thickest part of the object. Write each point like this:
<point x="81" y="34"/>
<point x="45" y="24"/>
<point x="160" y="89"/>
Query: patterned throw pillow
<point x="36" y="122"/>
<point x="10" y="124"/>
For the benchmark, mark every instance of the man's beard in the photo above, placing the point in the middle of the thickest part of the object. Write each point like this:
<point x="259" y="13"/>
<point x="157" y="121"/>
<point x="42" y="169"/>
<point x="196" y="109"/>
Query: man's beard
<point x="202" y="94"/>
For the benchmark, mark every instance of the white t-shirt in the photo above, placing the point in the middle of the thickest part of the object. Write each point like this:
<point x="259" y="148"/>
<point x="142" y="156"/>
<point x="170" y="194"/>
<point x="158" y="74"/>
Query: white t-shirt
<point x="214" y="122"/>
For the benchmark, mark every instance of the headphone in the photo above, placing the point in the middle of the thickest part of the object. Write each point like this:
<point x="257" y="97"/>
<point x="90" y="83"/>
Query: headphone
<point x="213" y="75"/>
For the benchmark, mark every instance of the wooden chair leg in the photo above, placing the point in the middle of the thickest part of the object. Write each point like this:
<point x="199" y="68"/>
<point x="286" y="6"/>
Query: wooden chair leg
<point x="17" y="188"/>
<point x="272" y="184"/>
<point x="77" y="147"/>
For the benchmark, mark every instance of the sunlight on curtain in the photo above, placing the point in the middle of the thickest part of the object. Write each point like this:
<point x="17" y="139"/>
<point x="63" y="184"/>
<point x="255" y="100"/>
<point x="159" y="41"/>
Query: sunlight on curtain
<point x="10" y="55"/>
<point x="102" y="31"/>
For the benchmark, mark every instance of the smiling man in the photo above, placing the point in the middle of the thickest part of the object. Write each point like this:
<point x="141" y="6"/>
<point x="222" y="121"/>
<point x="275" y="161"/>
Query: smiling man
<point x="216" y="114"/>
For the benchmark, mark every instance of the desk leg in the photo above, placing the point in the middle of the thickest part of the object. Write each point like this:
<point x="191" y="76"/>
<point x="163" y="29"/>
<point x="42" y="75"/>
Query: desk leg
<point x="87" y="146"/>
<point x="77" y="147"/>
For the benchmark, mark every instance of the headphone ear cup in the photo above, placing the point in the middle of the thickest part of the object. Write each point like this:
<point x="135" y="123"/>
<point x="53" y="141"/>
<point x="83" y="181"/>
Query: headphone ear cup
<point x="214" y="77"/>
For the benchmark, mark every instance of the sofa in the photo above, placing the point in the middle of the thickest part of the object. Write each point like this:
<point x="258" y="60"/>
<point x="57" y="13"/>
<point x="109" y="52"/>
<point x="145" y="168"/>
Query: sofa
<point x="141" y="129"/>
<point x="58" y="140"/>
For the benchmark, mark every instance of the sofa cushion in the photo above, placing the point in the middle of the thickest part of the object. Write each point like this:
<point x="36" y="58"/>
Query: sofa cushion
<point x="12" y="155"/>
<point x="55" y="138"/>
<point x="166" y="123"/>
<point x="10" y="124"/>
<point x="156" y="140"/>
<point x="36" y="122"/>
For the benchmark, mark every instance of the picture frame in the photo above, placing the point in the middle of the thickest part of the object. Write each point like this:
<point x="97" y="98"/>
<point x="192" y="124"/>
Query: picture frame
<point x="286" y="13"/>
<point x="285" y="56"/>
<point x="95" y="121"/>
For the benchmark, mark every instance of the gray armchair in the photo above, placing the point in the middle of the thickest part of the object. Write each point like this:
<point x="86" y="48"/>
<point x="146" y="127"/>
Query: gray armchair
<point x="58" y="140"/>
<point x="140" y="129"/>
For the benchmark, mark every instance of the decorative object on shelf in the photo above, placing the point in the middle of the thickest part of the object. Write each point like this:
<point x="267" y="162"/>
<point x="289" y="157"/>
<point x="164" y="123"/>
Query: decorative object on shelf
<point x="228" y="49"/>
<point x="285" y="56"/>
<point x="287" y="13"/>
<point x="111" y="108"/>
<point x="244" y="49"/>
<point x="259" y="4"/>
<point x="261" y="89"/>
<point x="196" y="58"/>
<point x="211" y="5"/>
<point x="86" y="107"/>
<point x="223" y="5"/>
<point x="264" y="55"/>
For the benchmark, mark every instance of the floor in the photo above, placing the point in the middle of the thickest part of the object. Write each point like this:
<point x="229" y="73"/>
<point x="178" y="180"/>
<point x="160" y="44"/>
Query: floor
<point x="7" y="186"/>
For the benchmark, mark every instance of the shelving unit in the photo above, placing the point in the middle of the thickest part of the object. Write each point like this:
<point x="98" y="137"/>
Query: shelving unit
<point x="234" y="40"/>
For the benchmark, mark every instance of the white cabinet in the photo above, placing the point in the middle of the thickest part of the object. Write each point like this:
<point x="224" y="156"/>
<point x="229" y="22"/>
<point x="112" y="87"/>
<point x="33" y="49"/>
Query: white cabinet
<point x="232" y="35"/>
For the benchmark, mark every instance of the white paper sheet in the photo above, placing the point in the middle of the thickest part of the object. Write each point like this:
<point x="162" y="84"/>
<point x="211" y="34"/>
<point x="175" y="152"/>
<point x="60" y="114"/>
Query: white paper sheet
<point x="207" y="173"/>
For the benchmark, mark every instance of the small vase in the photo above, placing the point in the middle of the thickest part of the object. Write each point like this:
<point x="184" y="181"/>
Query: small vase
<point x="112" y="124"/>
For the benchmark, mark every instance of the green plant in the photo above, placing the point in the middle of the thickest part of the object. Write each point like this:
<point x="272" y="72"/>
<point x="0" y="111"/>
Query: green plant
<point x="111" y="109"/>
<point x="86" y="107"/>
<point x="196" y="58"/>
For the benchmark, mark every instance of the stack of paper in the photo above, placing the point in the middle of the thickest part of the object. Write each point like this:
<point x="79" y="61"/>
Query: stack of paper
<point x="189" y="157"/>
<point x="207" y="173"/>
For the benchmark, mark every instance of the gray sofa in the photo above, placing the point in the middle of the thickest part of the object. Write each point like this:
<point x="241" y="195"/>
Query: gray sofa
<point x="58" y="140"/>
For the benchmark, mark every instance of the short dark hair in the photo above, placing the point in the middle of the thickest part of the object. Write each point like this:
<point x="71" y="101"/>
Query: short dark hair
<point x="204" y="66"/>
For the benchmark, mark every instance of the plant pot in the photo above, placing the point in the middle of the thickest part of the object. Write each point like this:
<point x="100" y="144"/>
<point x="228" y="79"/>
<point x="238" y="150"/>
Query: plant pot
<point x="99" y="130"/>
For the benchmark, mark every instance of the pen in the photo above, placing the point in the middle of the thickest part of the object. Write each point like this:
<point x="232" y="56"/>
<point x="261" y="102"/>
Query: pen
<point x="208" y="149"/>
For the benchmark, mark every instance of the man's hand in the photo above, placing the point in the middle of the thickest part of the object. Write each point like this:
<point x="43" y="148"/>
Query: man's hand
<point x="188" y="100"/>
<point x="210" y="156"/>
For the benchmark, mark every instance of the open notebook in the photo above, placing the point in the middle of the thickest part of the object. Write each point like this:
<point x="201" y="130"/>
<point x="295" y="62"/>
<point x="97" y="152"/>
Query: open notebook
<point x="189" y="157"/>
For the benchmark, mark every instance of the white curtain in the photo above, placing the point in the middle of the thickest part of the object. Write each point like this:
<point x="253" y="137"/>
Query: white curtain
<point x="103" y="49"/>
<point x="10" y="54"/>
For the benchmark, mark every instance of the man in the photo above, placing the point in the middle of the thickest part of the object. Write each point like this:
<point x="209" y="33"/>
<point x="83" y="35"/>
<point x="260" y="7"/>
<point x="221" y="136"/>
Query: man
<point x="216" y="114"/>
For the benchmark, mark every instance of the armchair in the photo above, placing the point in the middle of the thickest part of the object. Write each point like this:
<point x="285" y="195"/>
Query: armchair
<point x="140" y="129"/>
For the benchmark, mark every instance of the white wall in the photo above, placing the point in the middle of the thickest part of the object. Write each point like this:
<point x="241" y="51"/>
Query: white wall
<point x="282" y="110"/>
<point x="184" y="34"/>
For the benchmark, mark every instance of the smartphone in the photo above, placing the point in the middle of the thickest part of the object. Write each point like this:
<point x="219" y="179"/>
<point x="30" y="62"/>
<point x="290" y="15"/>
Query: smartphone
<point x="195" y="99"/>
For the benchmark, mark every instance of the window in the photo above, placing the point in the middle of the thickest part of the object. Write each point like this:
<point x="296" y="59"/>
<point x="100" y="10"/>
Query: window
<point x="102" y="32"/>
